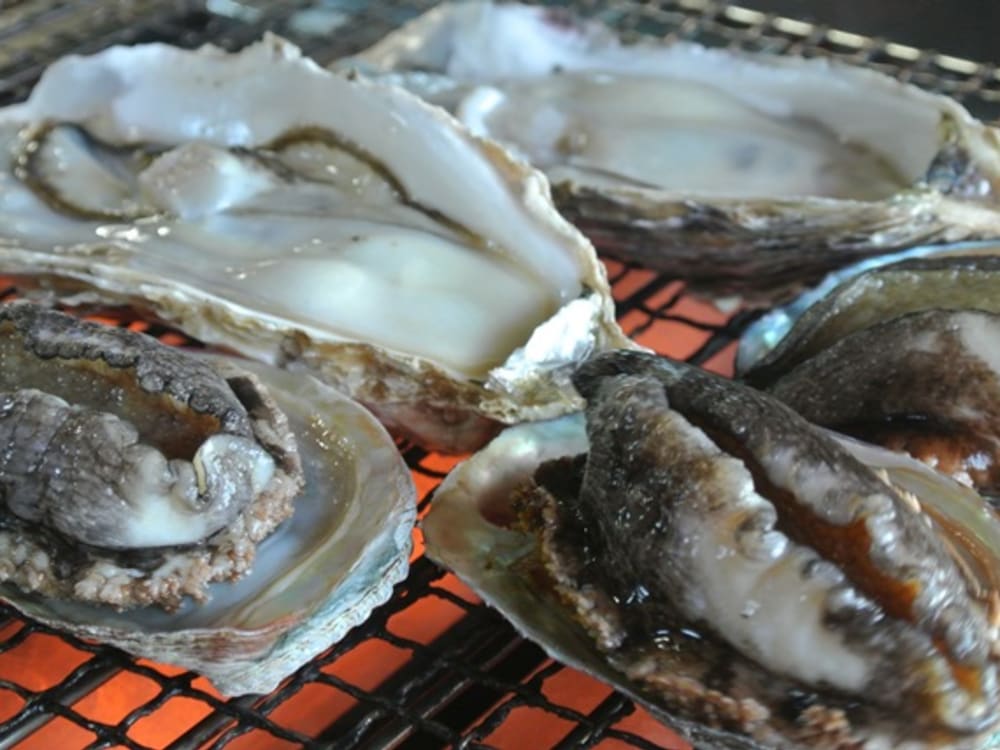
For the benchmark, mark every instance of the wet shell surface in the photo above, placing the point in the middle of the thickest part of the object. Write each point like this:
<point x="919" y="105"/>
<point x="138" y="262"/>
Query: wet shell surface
<point x="741" y="172"/>
<point x="344" y="544"/>
<point x="309" y="220"/>
<point x="757" y="344"/>
<point x="711" y="573"/>
<point x="903" y="355"/>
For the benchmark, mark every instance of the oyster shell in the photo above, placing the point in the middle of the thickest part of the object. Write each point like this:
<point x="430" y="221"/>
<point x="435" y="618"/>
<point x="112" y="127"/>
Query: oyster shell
<point x="904" y="356"/>
<point x="739" y="172"/>
<point x="317" y="576"/>
<point x="132" y="474"/>
<point x="309" y="220"/>
<point x="714" y="556"/>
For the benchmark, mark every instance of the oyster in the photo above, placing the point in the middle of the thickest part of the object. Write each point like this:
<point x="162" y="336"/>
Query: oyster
<point x="320" y="573"/>
<point x="739" y="571"/>
<point x="904" y="356"/>
<point x="132" y="474"/>
<point x="309" y="220"/>
<point x="739" y="172"/>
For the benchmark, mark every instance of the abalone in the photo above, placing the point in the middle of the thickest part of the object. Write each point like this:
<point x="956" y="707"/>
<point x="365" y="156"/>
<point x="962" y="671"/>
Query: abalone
<point x="305" y="219"/>
<point x="751" y="578"/>
<point x="769" y="330"/>
<point x="131" y="476"/>
<point x="902" y="355"/>
<point x="741" y="172"/>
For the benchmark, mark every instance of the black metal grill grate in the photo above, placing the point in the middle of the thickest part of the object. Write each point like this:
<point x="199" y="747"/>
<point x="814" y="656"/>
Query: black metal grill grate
<point x="433" y="667"/>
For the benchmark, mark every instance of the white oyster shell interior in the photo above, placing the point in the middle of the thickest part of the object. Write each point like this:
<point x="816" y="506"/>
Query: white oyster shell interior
<point x="319" y="575"/>
<point x="369" y="218"/>
<point x="671" y="117"/>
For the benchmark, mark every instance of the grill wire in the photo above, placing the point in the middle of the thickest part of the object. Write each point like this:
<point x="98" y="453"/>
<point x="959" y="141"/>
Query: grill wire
<point x="461" y="686"/>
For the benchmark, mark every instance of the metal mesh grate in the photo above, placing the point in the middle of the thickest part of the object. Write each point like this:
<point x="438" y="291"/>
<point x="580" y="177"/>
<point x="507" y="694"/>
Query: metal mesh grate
<point x="433" y="667"/>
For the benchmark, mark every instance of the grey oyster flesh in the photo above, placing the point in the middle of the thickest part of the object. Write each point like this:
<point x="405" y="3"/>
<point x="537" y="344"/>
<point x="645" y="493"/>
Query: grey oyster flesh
<point x="903" y="356"/>
<point x="308" y="220"/>
<point x="738" y="171"/>
<point x="132" y="473"/>
<point x="709" y="524"/>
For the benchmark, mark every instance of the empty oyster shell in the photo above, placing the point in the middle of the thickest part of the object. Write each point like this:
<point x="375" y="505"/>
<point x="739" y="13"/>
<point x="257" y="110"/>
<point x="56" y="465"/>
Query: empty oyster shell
<point x="132" y="473"/>
<point x="737" y="570"/>
<point x="904" y="356"/>
<point x="309" y="220"/>
<point x="737" y="171"/>
<point x="317" y="576"/>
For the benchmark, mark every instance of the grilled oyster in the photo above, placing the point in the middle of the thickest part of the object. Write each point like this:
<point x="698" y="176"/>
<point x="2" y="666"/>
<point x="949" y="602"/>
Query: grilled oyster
<point x="94" y="517"/>
<point x="903" y="355"/>
<point x="309" y="220"/>
<point x="740" y="172"/>
<point x="741" y="572"/>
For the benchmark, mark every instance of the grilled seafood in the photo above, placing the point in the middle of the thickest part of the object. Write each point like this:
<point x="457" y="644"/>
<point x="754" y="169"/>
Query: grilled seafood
<point x="308" y="220"/>
<point x="137" y="474"/>
<point x="740" y="172"/>
<point x="903" y="356"/>
<point x="743" y="573"/>
<point x="132" y="474"/>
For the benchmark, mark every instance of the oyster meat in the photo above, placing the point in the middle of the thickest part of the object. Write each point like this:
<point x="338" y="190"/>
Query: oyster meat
<point x="754" y="580"/>
<point x="134" y="473"/>
<point x="740" y="172"/>
<point x="309" y="220"/>
<point x="904" y="356"/>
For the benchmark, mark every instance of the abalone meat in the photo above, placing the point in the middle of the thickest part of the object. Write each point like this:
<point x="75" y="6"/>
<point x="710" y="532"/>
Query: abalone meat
<point x="132" y="473"/>
<point x="741" y="172"/>
<point x="750" y="578"/>
<point x="257" y="514"/>
<point x="305" y="219"/>
<point x="904" y="356"/>
<point x="769" y="330"/>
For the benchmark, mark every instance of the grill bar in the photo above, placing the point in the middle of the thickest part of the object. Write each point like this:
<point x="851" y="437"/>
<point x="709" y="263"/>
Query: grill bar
<point x="84" y="680"/>
<point x="466" y="684"/>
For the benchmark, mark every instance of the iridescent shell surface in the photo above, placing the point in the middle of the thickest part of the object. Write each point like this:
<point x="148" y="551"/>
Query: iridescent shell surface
<point x="319" y="574"/>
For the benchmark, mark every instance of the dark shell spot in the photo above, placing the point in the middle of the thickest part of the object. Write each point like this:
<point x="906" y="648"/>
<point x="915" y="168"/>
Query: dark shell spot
<point x="795" y="703"/>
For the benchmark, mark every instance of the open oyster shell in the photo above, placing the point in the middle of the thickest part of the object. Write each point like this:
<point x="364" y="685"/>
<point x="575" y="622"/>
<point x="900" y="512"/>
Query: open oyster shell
<point x="319" y="575"/>
<point x="782" y="682"/>
<point x="309" y="220"/>
<point x="737" y="171"/>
